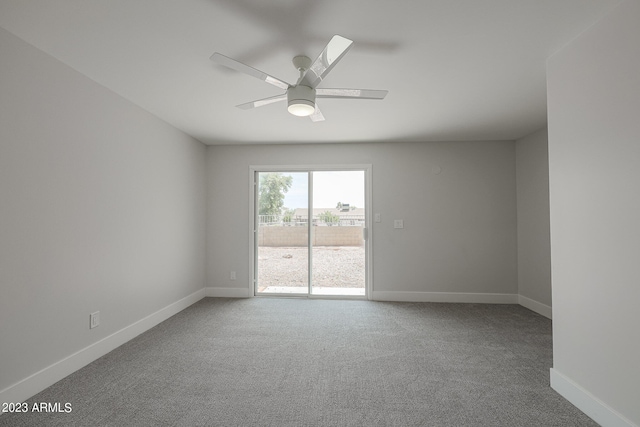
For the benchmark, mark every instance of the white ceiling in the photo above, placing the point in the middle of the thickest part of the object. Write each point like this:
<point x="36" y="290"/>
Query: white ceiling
<point x="455" y="69"/>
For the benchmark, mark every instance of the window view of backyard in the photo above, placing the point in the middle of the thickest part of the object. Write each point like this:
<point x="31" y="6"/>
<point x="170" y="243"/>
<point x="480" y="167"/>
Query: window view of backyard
<point x="337" y="246"/>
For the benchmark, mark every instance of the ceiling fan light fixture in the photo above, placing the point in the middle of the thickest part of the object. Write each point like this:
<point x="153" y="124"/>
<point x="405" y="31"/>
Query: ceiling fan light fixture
<point x="301" y="108"/>
<point x="301" y="101"/>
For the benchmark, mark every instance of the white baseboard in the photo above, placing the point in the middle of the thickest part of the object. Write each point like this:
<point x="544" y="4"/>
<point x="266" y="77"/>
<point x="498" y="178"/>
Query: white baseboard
<point x="588" y="403"/>
<point x="46" y="377"/>
<point x="456" y="297"/>
<point x="536" y="306"/>
<point x="227" y="292"/>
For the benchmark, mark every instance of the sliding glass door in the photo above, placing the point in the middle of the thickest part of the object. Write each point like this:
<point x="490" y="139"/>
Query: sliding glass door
<point x="309" y="232"/>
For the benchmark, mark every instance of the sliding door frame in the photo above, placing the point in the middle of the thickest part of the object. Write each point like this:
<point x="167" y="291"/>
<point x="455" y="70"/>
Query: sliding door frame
<point x="253" y="224"/>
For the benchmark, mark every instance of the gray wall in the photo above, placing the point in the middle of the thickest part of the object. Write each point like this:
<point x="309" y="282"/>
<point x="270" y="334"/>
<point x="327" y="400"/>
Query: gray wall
<point x="101" y="207"/>
<point x="594" y="164"/>
<point x="460" y="224"/>
<point x="534" y="248"/>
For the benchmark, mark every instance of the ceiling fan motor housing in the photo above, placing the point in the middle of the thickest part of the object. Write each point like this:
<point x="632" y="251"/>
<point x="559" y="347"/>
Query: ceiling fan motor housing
<point x="301" y="100"/>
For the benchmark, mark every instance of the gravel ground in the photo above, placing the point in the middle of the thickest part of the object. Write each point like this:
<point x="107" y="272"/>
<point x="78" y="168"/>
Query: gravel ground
<point x="333" y="266"/>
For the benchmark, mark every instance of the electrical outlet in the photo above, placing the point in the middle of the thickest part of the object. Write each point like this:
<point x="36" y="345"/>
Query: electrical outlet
<point x="233" y="275"/>
<point x="94" y="320"/>
<point x="398" y="223"/>
<point x="376" y="217"/>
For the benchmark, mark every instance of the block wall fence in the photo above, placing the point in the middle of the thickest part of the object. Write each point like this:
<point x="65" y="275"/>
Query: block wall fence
<point x="322" y="236"/>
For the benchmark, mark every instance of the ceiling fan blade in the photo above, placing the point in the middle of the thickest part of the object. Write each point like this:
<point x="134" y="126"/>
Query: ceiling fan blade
<point x="317" y="115"/>
<point x="218" y="58"/>
<point x="351" y="93"/>
<point x="332" y="53"/>
<point x="262" y="102"/>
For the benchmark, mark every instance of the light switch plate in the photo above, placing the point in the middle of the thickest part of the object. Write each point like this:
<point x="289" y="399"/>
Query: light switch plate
<point x="94" y="320"/>
<point x="376" y="217"/>
<point x="398" y="223"/>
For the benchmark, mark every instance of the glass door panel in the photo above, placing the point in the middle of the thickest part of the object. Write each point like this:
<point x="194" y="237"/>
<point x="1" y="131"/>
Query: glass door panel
<point x="337" y="233"/>
<point x="282" y="248"/>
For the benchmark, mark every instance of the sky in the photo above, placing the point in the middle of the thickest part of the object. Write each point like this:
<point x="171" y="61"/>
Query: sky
<point x="329" y="188"/>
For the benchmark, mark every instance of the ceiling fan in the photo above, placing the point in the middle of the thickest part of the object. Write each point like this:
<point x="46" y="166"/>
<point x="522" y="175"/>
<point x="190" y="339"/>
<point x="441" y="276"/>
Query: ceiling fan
<point x="301" y="97"/>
